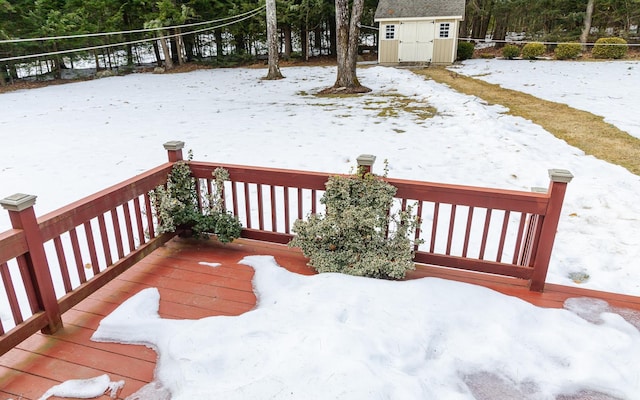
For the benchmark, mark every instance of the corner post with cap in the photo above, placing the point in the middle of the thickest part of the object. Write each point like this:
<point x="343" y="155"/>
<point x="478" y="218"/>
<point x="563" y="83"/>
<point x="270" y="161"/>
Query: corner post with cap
<point x="557" y="189"/>
<point x="174" y="150"/>
<point x="365" y="163"/>
<point x="22" y="216"/>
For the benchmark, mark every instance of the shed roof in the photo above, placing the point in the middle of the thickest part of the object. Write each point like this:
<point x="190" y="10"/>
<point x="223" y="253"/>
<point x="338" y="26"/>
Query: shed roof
<point x="419" y="8"/>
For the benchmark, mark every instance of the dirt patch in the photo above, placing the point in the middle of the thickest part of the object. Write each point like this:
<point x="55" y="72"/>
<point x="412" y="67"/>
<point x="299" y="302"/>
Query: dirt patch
<point x="187" y="67"/>
<point x="580" y="129"/>
<point x="20" y="85"/>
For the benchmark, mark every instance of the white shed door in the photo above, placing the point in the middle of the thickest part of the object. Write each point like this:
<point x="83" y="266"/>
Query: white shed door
<point x="416" y="41"/>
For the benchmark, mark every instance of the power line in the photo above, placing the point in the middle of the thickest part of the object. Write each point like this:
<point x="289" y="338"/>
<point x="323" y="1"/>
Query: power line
<point x="84" y="35"/>
<point x="490" y="41"/>
<point x="30" y="56"/>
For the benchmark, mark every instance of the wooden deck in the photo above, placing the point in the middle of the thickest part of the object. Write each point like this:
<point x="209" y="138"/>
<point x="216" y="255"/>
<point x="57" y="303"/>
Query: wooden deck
<point x="189" y="289"/>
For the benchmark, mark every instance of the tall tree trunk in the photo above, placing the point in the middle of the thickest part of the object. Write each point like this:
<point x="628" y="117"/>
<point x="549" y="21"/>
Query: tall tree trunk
<point x="587" y="24"/>
<point x="189" y="44"/>
<point x="156" y="51"/>
<point x="286" y="31"/>
<point x="4" y="75"/>
<point x="219" y="47"/>
<point x="304" y="42"/>
<point x="272" y="41"/>
<point x="175" y="49"/>
<point x="333" y="37"/>
<point x="500" y="30"/>
<point x="168" y="62"/>
<point x="241" y="46"/>
<point x="179" y="42"/>
<point x="97" y="59"/>
<point x="129" y="55"/>
<point x="57" y="63"/>
<point x="348" y="30"/>
<point x="317" y="39"/>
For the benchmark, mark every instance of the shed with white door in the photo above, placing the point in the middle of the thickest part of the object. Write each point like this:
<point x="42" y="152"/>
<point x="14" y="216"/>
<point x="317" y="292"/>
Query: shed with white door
<point x="419" y="31"/>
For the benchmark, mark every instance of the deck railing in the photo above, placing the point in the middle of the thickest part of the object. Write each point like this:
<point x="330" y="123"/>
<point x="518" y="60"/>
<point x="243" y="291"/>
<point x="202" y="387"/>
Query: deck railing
<point x="494" y="231"/>
<point x="57" y="260"/>
<point x="51" y="263"/>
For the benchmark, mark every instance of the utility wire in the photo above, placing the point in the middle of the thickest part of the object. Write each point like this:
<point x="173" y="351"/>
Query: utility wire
<point x="254" y="13"/>
<point x="489" y="41"/>
<point x="84" y="35"/>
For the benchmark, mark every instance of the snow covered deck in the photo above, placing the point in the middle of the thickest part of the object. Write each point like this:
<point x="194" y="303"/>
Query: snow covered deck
<point x="195" y="279"/>
<point x="190" y="288"/>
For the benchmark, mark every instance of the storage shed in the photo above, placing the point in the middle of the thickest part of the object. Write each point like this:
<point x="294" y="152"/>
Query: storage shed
<point x="419" y="31"/>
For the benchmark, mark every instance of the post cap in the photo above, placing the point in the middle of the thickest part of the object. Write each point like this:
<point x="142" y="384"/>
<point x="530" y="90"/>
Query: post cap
<point x="18" y="202"/>
<point x="174" y="145"/>
<point x="560" y="175"/>
<point x="366" y="160"/>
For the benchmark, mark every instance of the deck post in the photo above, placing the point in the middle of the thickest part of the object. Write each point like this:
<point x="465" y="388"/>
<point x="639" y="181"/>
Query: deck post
<point x="174" y="150"/>
<point x="365" y="163"/>
<point x="557" y="189"/>
<point x="22" y="215"/>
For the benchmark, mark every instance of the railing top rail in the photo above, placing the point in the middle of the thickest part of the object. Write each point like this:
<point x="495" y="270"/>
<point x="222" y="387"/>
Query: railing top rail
<point x="65" y="218"/>
<point x="12" y="244"/>
<point x="514" y="200"/>
<point x="265" y="176"/>
<point x="473" y="196"/>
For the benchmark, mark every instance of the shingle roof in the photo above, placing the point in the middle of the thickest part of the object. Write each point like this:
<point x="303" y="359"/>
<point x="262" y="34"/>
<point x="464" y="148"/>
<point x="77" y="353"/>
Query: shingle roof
<point x="419" y="8"/>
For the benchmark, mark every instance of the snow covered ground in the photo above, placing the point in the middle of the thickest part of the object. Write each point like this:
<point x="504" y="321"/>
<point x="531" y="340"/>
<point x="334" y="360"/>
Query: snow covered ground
<point x="443" y="339"/>
<point x="65" y="142"/>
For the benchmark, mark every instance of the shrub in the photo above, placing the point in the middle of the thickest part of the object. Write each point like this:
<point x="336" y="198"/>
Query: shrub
<point x="177" y="209"/>
<point x="465" y="51"/>
<point x="510" y="51"/>
<point x="531" y="51"/>
<point x="611" y="47"/>
<point x="358" y="235"/>
<point x="568" y="51"/>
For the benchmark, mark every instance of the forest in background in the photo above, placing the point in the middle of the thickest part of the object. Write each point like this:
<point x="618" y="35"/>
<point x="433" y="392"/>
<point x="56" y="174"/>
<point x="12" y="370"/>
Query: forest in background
<point x="224" y="32"/>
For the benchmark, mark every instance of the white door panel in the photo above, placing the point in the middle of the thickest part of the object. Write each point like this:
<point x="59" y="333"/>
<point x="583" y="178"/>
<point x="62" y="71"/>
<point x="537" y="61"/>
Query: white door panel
<point x="416" y="41"/>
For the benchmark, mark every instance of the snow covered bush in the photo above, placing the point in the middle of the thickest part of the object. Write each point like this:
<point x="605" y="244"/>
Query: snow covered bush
<point x="510" y="51"/>
<point x="176" y="206"/>
<point x="568" y="51"/>
<point x="531" y="51"/>
<point x="358" y="235"/>
<point x="465" y="51"/>
<point x="610" y="47"/>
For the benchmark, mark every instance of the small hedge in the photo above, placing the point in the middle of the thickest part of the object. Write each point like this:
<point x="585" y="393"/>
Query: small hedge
<point x="465" y="51"/>
<point x="531" y="51"/>
<point x="510" y="51"/>
<point x="611" y="47"/>
<point x="359" y="235"/>
<point x="568" y="51"/>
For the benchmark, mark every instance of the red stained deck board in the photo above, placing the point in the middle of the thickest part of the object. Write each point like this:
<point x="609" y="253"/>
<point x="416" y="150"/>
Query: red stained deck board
<point x="180" y="293"/>
<point x="191" y="290"/>
<point x="20" y="385"/>
<point x="43" y="372"/>
<point x="76" y="335"/>
<point x="206" y="284"/>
